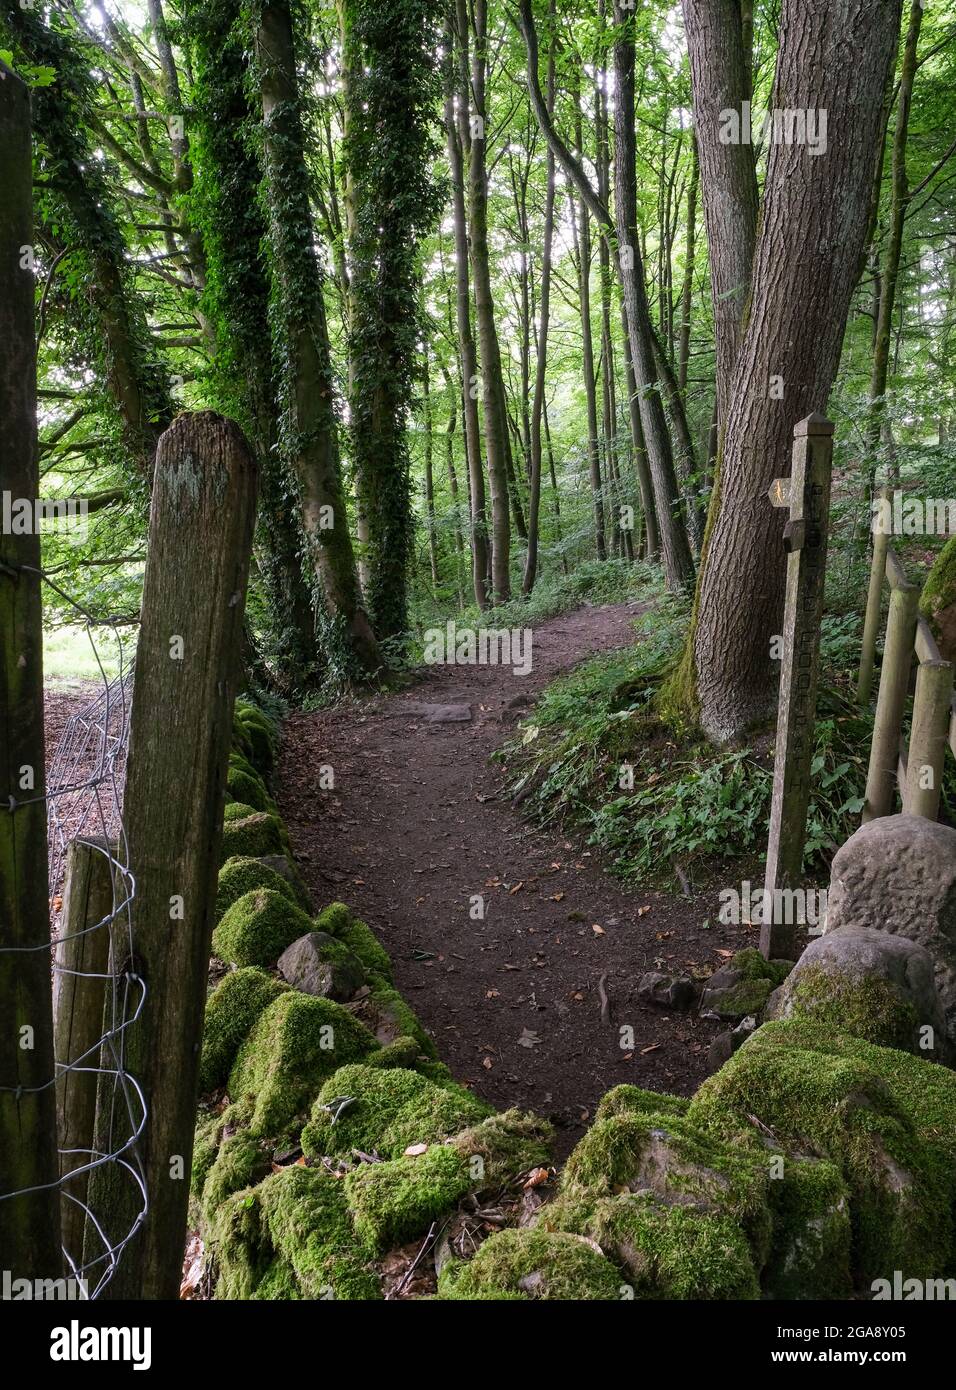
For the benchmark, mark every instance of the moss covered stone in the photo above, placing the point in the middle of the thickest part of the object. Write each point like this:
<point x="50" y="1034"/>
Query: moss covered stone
<point x="393" y="1202"/>
<point x="260" y="739"/>
<point x="241" y="875"/>
<point x="938" y="600"/>
<point x="254" y="836"/>
<point x="258" y="927"/>
<point x="388" y="1111"/>
<point x="248" y="788"/>
<point x="231" y="1010"/>
<point x="885" y="1119"/>
<point x="810" y="1256"/>
<point x="632" y="1100"/>
<point x="752" y="966"/>
<point x="866" y="1006"/>
<point x="670" y="1251"/>
<point x="534" y="1264"/>
<point x="240" y="1162"/>
<point x="503" y="1146"/>
<point x="668" y="1156"/>
<point x="293" y="1229"/>
<point x="339" y="921"/>
<point x="237" y="810"/>
<point x="390" y="1017"/>
<point x="296" y="1043"/>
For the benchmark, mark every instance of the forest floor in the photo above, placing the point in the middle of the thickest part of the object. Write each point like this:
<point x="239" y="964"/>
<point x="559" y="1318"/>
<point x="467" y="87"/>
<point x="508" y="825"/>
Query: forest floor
<point x="417" y="824"/>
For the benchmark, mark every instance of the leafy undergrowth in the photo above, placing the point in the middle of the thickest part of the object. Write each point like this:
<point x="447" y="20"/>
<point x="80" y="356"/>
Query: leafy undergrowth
<point x="595" y="756"/>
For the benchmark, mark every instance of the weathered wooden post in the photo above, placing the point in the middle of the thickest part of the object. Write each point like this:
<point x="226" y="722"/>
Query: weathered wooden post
<point x="929" y="737"/>
<point x="187" y="671"/>
<point x="881" y="777"/>
<point x="79" y="991"/>
<point x="29" y="1225"/>
<point x="807" y="492"/>
<point x="874" y="604"/>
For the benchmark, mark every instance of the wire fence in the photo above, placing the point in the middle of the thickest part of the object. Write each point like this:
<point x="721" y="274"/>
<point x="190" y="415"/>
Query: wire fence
<point x="84" y="802"/>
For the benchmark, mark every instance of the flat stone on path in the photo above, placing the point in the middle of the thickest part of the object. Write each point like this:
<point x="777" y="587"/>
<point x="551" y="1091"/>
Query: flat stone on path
<point x="431" y="714"/>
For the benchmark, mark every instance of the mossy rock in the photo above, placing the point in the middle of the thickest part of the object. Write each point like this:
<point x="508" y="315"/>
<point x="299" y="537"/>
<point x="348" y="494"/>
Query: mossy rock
<point x="241" y="875"/>
<point x="293" y="1047"/>
<point x="258" y="928"/>
<point x="389" y="1110"/>
<point x="938" y="600"/>
<point x="753" y="966"/>
<point x="293" y="1229"/>
<point x="240" y="1162"/>
<point x="811" y="1252"/>
<point x="211" y="1126"/>
<point x="632" y="1100"/>
<point x="403" y="1052"/>
<point x="866" y="1006"/>
<point x="254" y="836"/>
<point x="673" y="1251"/>
<point x="390" y="1017"/>
<point x="231" y="1010"/>
<point x="237" y="810"/>
<point x="670" y="1157"/>
<point x="393" y="1202"/>
<point x="249" y="789"/>
<point x="503" y="1146"/>
<point x="261" y="743"/>
<point x="885" y="1119"/>
<point x="534" y="1264"/>
<point x="339" y="921"/>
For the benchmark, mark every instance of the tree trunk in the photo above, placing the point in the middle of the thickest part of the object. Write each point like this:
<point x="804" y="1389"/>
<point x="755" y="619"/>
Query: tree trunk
<point x="889" y="276"/>
<point x="813" y="227"/>
<point x="720" y="65"/>
<point x="308" y="437"/>
<point x="541" y="363"/>
<point x="29" y="1224"/>
<point x="458" y="138"/>
<point x="492" y="382"/>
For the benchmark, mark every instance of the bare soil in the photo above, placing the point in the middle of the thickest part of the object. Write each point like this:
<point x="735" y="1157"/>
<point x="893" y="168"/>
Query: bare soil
<point x="417" y="826"/>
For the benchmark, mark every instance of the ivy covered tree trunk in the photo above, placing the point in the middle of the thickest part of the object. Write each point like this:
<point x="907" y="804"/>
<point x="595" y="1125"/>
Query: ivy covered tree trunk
<point x="76" y="197"/>
<point x="308" y="430"/>
<point x="458" y="137"/>
<point x="227" y="213"/>
<point x="392" y="94"/>
<point x="814" y="223"/>
<point x="492" y="381"/>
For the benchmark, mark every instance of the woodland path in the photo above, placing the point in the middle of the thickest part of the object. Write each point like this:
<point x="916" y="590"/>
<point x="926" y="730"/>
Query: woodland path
<point x="415" y="826"/>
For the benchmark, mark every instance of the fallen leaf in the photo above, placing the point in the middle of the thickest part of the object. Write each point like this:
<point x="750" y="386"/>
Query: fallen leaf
<point x="414" y="1150"/>
<point x="598" y="931"/>
<point x="492" y="994"/>
<point x="536" y="1177"/>
<point x="653" y="1048"/>
<point x="487" y="1063"/>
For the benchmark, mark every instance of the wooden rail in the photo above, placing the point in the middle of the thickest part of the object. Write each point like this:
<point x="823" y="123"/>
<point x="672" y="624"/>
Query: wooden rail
<point x="914" y="769"/>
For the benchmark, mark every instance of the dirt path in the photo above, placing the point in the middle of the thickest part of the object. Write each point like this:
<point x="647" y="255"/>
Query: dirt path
<point x="414" y="828"/>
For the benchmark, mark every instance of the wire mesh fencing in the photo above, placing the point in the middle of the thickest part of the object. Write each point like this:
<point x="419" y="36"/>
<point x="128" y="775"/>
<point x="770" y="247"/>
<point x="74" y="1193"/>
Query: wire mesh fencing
<point x="83" y="791"/>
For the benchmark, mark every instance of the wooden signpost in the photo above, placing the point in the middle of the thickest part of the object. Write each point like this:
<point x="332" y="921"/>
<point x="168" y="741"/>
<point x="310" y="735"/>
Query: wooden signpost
<point x="807" y="493"/>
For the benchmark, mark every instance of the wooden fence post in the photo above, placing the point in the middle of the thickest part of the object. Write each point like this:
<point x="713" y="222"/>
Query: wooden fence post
<point x="79" y="991"/>
<point x="881" y="776"/>
<point x="807" y="491"/>
<point x="874" y="605"/>
<point x="29" y="1225"/>
<point x="929" y="738"/>
<point x="187" y="670"/>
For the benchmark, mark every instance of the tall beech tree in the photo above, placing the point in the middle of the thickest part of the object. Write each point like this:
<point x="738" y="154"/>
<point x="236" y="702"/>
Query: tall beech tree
<point x="813" y="225"/>
<point x="308" y="429"/>
<point x="393" y="91"/>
